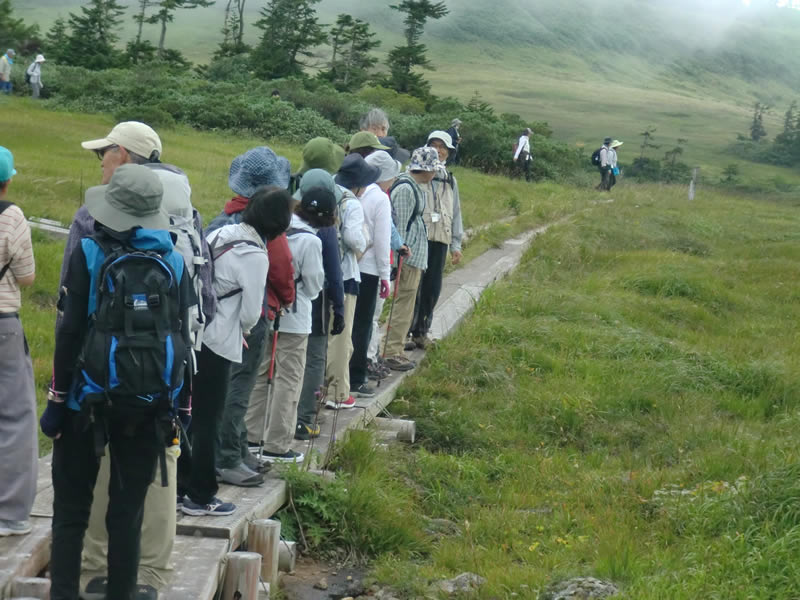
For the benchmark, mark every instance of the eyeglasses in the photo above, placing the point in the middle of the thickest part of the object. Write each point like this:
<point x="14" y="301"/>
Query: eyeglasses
<point x="102" y="151"/>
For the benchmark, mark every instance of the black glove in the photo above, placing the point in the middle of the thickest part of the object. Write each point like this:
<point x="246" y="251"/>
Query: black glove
<point x="338" y="324"/>
<point x="52" y="419"/>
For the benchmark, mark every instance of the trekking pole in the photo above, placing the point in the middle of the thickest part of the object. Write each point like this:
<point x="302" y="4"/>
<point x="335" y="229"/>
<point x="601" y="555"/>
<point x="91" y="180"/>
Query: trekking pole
<point x="270" y="385"/>
<point x="394" y="300"/>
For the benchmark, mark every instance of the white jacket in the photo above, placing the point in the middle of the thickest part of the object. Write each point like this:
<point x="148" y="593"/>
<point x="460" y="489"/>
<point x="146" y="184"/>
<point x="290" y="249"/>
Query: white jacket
<point x="309" y="276"/>
<point x="523" y="144"/>
<point x="35" y="72"/>
<point x="351" y="216"/>
<point x="378" y="220"/>
<point x="243" y="267"/>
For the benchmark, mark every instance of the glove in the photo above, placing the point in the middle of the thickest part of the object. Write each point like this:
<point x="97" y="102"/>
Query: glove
<point x="52" y="419"/>
<point x="338" y="324"/>
<point x="384" y="289"/>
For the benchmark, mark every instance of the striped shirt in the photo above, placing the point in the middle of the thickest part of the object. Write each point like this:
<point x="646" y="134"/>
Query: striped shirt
<point x="16" y="249"/>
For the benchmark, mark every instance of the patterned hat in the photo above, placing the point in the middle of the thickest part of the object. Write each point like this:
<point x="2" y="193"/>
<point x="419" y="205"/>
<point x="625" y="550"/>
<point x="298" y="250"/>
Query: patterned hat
<point x="257" y="167"/>
<point x="424" y="159"/>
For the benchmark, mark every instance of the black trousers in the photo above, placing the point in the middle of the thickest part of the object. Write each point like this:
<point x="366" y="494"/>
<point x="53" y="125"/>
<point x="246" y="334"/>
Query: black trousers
<point x="362" y="327"/>
<point x="134" y="453"/>
<point x="197" y="476"/>
<point x="430" y="287"/>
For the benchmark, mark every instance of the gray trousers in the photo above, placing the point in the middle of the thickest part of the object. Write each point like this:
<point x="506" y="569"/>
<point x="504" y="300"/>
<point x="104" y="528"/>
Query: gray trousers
<point x="19" y="447"/>
<point x="314" y="377"/>
<point x="36" y="89"/>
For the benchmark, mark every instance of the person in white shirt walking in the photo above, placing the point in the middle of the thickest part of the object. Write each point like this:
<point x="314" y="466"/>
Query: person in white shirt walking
<point x="34" y="76"/>
<point x="522" y="155"/>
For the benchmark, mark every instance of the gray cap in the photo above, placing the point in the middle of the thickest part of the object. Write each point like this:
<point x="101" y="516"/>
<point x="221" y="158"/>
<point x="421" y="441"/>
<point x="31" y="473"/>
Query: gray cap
<point x="131" y="199"/>
<point x="390" y="168"/>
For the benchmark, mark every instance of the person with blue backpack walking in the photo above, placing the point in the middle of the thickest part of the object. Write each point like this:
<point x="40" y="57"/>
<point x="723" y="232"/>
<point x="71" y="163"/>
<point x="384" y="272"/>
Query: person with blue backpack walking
<point x="121" y="350"/>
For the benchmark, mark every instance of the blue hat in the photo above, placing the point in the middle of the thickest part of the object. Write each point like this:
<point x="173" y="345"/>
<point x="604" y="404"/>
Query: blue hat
<point x="257" y="167"/>
<point x="7" y="170"/>
<point x="355" y="172"/>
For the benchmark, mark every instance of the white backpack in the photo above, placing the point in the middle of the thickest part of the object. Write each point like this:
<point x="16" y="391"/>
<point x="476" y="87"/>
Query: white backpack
<point x="190" y="245"/>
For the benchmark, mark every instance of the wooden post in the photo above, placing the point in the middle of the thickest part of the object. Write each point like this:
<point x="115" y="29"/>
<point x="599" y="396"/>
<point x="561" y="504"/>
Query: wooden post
<point x="264" y="537"/>
<point x="241" y="576"/>
<point x="404" y="431"/>
<point x="30" y="587"/>
<point x="287" y="556"/>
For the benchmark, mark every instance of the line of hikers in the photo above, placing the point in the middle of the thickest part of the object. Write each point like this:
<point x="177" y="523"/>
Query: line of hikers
<point x="189" y="356"/>
<point x="33" y="74"/>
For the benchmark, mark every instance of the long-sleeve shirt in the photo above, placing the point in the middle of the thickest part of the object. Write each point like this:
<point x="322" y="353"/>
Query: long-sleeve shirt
<point x="16" y="251"/>
<point x="5" y="68"/>
<point x="351" y="216"/>
<point x="35" y="72"/>
<point x="406" y="195"/>
<point x="523" y="145"/>
<point x="306" y="249"/>
<point x="606" y="156"/>
<point x="378" y="219"/>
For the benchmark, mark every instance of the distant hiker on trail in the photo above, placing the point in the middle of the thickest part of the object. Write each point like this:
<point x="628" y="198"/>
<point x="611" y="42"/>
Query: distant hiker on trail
<point x="133" y="412"/>
<point x="604" y="159"/>
<point x="242" y="418"/>
<point x="612" y="163"/>
<point x="442" y="217"/>
<point x="455" y="135"/>
<point x="408" y="201"/>
<point x="6" y="61"/>
<point x="376" y="121"/>
<point x="19" y="447"/>
<point x="275" y="95"/>
<point x="522" y="153"/>
<point x="33" y="75"/>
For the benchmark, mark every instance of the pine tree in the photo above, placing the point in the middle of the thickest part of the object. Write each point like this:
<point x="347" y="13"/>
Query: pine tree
<point x="403" y="60"/>
<point x="290" y="33"/>
<point x="166" y="14"/>
<point x="757" y="131"/>
<point x="139" y="50"/>
<point x="232" y="30"/>
<point x="14" y="32"/>
<point x="92" y="38"/>
<point x="351" y="42"/>
<point x="56" y="40"/>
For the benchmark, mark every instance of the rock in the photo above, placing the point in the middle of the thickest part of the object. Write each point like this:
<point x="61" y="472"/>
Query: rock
<point x="349" y="578"/>
<point x="348" y="598"/>
<point x="374" y="589"/>
<point x="322" y="584"/>
<point x="355" y="588"/>
<point x="581" y="588"/>
<point x="441" y="527"/>
<point x="466" y="582"/>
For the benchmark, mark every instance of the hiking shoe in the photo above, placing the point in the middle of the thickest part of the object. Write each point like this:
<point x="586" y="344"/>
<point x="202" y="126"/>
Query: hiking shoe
<point x="241" y="476"/>
<point x="423" y="342"/>
<point x="215" y="508"/>
<point x="179" y="503"/>
<point x="363" y="391"/>
<point x="400" y="363"/>
<point x="290" y="456"/>
<point x="15" y="528"/>
<point x="306" y="432"/>
<point x="96" y="590"/>
<point x="251" y="462"/>
<point x="349" y="403"/>
<point x="410" y="345"/>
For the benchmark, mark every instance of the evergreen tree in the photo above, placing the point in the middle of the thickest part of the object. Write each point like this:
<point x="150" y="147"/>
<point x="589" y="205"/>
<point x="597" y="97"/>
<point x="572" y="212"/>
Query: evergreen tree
<point x="232" y="31"/>
<point x="351" y="42"/>
<point x="56" y="40"/>
<point x="757" y="131"/>
<point x="290" y="32"/>
<point x="403" y="60"/>
<point x="14" y="32"/>
<point x="92" y="38"/>
<point x="138" y="50"/>
<point x="166" y="14"/>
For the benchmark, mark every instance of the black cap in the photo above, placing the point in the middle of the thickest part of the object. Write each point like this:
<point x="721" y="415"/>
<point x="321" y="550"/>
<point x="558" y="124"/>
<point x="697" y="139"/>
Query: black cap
<point x="319" y="201"/>
<point x="607" y="141"/>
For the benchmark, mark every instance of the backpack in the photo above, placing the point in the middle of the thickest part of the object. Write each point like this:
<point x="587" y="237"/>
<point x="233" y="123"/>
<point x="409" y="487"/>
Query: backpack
<point x="596" y="160"/>
<point x="218" y="250"/>
<point x="291" y="232"/>
<point x="28" y="72"/>
<point x="514" y="148"/>
<point x="189" y="244"/>
<point x="415" y="212"/>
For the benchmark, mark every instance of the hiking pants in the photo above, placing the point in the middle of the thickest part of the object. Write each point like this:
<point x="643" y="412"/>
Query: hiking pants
<point x="36" y="89"/>
<point x="313" y="378"/>
<point x="197" y="476"/>
<point x="605" y="179"/>
<point x="340" y="349"/>
<point x="375" y="347"/>
<point x="430" y="288"/>
<point x="403" y="312"/>
<point x="134" y="453"/>
<point x="232" y="443"/>
<point x="362" y="327"/>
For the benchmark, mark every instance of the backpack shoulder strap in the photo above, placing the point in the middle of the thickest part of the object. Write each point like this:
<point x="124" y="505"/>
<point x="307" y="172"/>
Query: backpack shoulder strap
<point x="297" y="231"/>
<point x="219" y="250"/>
<point x="415" y="212"/>
<point x="4" y="204"/>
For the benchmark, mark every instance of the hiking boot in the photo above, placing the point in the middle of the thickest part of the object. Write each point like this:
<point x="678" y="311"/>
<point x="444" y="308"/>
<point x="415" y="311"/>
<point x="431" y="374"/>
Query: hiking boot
<point x="241" y="476"/>
<point x="96" y="590"/>
<point x="306" y="432"/>
<point x="400" y="363"/>
<point x="350" y="402"/>
<point x="410" y="345"/>
<point x="251" y="462"/>
<point x="363" y="391"/>
<point x="15" y="528"/>
<point x="423" y="342"/>
<point x="290" y="456"/>
<point x="215" y="508"/>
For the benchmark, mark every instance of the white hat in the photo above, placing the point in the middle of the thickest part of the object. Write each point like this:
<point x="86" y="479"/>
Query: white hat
<point x="134" y="136"/>
<point x="390" y="168"/>
<point x="39" y="58"/>
<point x="444" y="136"/>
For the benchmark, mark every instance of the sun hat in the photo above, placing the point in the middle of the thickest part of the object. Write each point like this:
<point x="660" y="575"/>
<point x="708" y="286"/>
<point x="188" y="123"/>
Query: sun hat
<point x="7" y="170"/>
<point x="132" y="198"/>
<point x="39" y="58"/>
<point x="365" y="139"/>
<point x="322" y="153"/>
<point x="355" y="172"/>
<point x="256" y="167"/>
<point x="607" y="141"/>
<point x="443" y="136"/>
<point x="10" y="52"/>
<point x="455" y="123"/>
<point x="424" y="159"/>
<point x="389" y="167"/>
<point x="314" y="178"/>
<point x="616" y="144"/>
<point x="134" y="136"/>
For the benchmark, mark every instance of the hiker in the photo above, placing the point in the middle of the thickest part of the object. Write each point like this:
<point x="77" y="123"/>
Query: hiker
<point x="19" y="446"/>
<point x="318" y="153"/>
<point x="316" y="209"/>
<point x="352" y="243"/>
<point x="241" y="420"/>
<point x="605" y="167"/>
<point x="134" y="412"/>
<point x="359" y="177"/>
<point x="241" y="263"/>
<point x="442" y="217"/>
<point x="6" y="61"/>
<point x="364" y="143"/>
<point x="522" y="154"/>
<point x="275" y="95"/>
<point x="612" y="163"/>
<point x="132" y="142"/>
<point x="376" y="121"/>
<point x="33" y="75"/>
<point x="455" y="135"/>
<point x="408" y="201"/>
